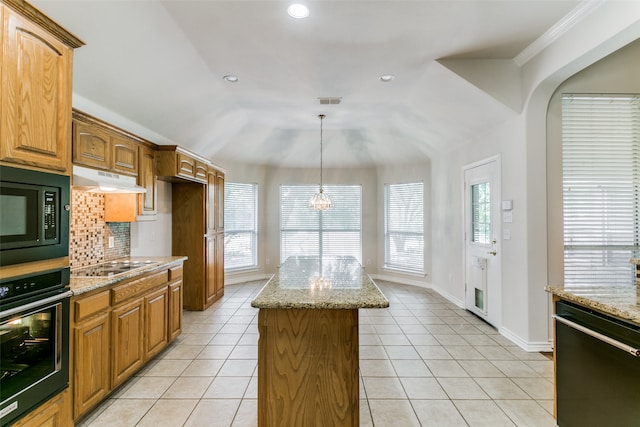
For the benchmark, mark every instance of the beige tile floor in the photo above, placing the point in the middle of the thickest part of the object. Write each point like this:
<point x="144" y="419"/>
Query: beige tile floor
<point x="423" y="362"/>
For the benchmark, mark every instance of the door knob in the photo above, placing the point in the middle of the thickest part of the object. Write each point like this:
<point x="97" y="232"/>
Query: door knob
<point x="494" y="253"/>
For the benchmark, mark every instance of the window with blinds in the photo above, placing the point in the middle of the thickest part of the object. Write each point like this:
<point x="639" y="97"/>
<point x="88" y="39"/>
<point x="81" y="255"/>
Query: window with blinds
<point x="404" y="227"/>
<point x="241" y="226"/>
<point x="334" y="232"/>
<point x="600" y="163"/>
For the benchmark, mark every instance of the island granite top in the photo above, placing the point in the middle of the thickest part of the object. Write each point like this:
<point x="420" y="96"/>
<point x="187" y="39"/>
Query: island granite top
<point x="83" y="284"/>
<point x="622" y="301"/>
<point x="320" y="283"/>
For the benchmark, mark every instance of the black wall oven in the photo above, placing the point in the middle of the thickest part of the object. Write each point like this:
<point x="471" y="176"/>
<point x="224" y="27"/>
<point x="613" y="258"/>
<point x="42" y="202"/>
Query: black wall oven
<point x="34" y="215"/>
<point x="34" y="338"/>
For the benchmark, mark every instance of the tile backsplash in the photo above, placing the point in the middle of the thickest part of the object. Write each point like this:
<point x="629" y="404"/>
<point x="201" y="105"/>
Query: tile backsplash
<point x="89" y="233"/>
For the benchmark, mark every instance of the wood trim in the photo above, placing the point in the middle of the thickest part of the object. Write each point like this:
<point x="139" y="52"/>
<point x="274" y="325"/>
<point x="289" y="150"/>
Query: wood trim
<point x="38" y="17"/>
<point x="33" y="267"/>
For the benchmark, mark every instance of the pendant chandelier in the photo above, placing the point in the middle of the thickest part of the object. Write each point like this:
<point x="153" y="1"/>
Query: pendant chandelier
<point x="320" y="201"/>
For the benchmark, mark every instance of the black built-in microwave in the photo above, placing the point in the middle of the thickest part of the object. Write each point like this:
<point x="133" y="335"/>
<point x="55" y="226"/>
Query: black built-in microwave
<point x="34" y="215"/>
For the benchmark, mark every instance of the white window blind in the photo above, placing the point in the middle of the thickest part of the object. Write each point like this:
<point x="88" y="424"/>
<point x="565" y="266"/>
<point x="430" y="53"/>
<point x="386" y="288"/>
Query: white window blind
<point x="600" y="157"/>
<point x="334" y="232"/>
<point x="241" y="226"/>
<point x="404" y="227"/>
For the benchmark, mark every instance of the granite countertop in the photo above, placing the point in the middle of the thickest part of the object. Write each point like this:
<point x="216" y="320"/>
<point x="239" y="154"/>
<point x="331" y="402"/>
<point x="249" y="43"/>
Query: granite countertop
<point x="320" y="283"/>
<point x="81" y="285"/>
<point x="622" y="301"/>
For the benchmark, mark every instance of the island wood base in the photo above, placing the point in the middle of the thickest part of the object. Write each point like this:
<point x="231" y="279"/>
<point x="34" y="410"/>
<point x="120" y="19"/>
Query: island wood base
<point x="308" y="365"/>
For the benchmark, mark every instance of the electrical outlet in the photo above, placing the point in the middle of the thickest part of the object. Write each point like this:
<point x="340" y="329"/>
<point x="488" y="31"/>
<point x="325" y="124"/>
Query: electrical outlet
<point x="112" y="241"/>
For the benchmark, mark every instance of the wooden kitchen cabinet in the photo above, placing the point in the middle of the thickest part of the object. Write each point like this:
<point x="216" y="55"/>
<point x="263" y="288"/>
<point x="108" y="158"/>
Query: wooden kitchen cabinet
<point x="99" y="145"/>
<point x="211" y="271"/>
<point x="91" y="377"/>
<point x="203" y="280"/>
<point x="147" y="178"/>
<point x="91" y="146"/>
<point x="175" y="302"/>
<point x="53" y="413"/>
<point x="127" y="344"/>
<point x="156" y="322"/>
<point x="177" y="162"/>
<point x="118" y="329"/>
<point x="36" y="70"/>
<point x="215" y="201"/>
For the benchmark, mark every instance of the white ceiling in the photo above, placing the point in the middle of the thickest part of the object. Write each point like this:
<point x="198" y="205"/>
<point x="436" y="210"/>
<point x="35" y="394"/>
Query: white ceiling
<point x="160" y="64"/>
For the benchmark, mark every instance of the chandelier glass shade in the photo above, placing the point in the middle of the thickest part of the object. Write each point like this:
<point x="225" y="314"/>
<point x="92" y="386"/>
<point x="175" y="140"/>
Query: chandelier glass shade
<point x="320" y="201"/>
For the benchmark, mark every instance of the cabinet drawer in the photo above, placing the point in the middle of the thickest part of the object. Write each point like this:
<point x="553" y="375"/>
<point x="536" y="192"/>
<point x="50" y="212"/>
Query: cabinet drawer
<point x="175" y="273"/>
<point x="135" y="287"/>
<point x="89" y="306"/>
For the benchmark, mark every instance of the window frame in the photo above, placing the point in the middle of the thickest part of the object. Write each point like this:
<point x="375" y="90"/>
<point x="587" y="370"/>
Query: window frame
<point x="252" y="233"/>
<point x="321" y="229"/>
<point x="388" y="263"/>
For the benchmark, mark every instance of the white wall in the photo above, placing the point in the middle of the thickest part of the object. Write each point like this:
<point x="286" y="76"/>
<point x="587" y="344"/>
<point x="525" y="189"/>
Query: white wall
<point x="153" y="238"/>
<point x="522" y="144"/>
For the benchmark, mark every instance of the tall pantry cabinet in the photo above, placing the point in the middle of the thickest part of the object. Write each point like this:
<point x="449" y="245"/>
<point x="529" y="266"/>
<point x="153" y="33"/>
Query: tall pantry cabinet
<point x="197" y="210"/>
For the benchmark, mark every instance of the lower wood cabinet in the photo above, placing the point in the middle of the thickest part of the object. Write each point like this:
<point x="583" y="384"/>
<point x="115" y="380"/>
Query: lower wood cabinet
<point x="119" y="328"/>
<point x="91" y="377"/>
<point x="175" y="310"/>
<point x="127" y="357"/>
<point x="156" y="316"/>
<point x="53" y="413"/>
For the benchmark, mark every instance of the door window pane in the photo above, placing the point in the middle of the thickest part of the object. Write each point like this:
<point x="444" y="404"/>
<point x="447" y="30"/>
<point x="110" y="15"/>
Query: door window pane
<point x="481" y="213"/>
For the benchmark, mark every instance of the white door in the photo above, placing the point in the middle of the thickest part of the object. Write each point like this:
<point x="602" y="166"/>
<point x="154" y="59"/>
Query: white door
<point x="482" y="240"/>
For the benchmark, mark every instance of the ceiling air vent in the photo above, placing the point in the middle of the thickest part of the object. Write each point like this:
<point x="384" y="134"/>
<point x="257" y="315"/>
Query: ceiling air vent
<point x="330" y="100"/>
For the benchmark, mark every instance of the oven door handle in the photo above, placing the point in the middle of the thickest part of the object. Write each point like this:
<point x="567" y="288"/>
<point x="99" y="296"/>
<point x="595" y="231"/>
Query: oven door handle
<point x="35" y="304"/>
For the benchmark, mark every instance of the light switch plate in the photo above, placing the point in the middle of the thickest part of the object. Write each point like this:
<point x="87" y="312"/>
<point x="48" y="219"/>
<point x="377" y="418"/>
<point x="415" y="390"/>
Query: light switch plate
<point x="112" y="241"/>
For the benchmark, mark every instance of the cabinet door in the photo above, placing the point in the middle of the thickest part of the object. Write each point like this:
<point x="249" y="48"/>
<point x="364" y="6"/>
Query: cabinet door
<point x="186" y="166"/>
<point x="219" y="265"/>
<point x="124" y="153"/>
<point x="90" y="363"/>
<point x="91" y="146"/>
<point x="147" y="202"/>
<point x="210" y="267"/>
<point x="202" y="171"/>
<point x="212" y="202"/>
<point x="127" y="342"/>
<point x="175" y="310"/>
<point x="220" y="199"/>
<point x="35" y="107"/>
<point x="156" y="318"/>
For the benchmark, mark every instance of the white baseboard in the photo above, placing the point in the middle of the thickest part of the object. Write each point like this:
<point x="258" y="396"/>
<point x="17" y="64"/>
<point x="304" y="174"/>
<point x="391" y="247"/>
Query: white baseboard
<point x="532" y="346"/>
<point x="451" y="298"/>
<point x="401" y="280"/>
<point x="231" y="280"/>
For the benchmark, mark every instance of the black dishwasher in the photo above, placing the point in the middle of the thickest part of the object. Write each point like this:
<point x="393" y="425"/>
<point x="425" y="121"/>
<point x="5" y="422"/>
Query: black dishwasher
<point x="597" y="369"/>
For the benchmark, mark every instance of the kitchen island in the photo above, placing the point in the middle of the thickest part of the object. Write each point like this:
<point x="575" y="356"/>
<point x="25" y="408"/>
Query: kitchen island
<point x="308" y="355"/>
<point x="596" y="354"/>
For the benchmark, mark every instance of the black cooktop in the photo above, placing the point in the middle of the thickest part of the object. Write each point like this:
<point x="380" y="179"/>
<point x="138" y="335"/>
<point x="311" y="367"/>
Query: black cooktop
<point x="110" y="268"/>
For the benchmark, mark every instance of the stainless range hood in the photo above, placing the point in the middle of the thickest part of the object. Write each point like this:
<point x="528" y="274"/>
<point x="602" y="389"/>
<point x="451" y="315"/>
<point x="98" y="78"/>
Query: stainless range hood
<point x="97" y="181"/>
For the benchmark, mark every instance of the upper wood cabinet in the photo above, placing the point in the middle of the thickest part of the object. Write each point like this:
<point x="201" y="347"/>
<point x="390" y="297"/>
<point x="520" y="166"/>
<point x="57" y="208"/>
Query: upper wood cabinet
<point x="35" y="107"/>
<point x="147" y="178"/>
<point x="101" y="146"/>
<point x="176" y="162"/>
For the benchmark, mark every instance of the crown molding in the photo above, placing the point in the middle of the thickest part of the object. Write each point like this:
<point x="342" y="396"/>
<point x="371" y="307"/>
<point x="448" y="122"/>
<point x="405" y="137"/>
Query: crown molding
<point x="557" y="30"/>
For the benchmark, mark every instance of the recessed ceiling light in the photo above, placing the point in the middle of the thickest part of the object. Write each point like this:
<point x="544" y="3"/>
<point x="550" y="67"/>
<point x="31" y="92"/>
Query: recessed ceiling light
<point x="231" y="78"/>
<point x="298" y="11"/>
<point x="387" y="77"/>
